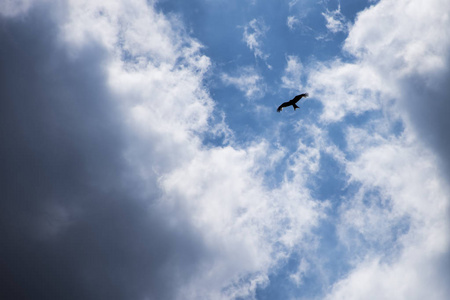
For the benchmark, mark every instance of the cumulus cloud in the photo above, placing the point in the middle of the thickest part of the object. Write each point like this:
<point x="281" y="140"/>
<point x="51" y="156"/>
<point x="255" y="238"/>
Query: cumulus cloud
<point x="110" y="193"/>
<point x="108" y="190"/>
<point x="84" y="205"/>
<point x="397" y="222"/>
<point x="347" y="88"/>
<point x="249" y="226"/>
<point x="416" y="60"/>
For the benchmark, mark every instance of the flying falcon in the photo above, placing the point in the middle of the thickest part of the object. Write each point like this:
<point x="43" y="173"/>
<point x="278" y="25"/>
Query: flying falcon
<point x="292" y="102"/>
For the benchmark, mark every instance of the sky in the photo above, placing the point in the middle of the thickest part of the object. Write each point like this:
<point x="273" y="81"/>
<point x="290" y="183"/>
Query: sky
<point x="142" y="156"/>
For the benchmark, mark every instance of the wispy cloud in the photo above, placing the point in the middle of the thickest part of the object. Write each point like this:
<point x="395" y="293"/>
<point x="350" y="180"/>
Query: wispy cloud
<point x="296" y="23"/>
<point x="248" y="81"/>
<point x="335" y="21"/>
<point x="292" y="22"/>
<point x="254" y="33"/>
<point x="302" y="269"/>
<point x="292" y="76"/>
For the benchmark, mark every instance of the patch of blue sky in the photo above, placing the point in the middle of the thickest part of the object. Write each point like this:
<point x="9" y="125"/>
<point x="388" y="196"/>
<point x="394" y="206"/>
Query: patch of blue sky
<point x="399" y="225"/>
<point x="330" y="182"/>
<point x="290" y="28"/>
<point x="219" y="25"/>
<point x="351" y="8"/>
<point x="306" y="276"/>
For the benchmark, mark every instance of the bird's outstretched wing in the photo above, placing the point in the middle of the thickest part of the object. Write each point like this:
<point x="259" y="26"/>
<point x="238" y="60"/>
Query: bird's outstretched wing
<point x="298" y="97"/>
<point x="285" y="104"/>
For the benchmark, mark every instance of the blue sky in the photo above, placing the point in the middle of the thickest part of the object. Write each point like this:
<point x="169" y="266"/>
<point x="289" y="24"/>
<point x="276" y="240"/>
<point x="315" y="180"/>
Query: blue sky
<point x="143" y="157"/>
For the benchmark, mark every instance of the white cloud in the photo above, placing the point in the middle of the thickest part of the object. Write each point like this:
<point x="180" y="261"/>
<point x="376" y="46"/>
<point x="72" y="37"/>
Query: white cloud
<point x="253" y="34"/>
<point x="399" y="236"/>
<point x="154" y="72"/>
<point x="397" y="224"/>
<point x="292" y="22"/>
<point x="384" y="57"/>
<point x="248" y="81"/>
<point x="336" y="21"/>
<point x="239" y="228"/>
<point x="292" y="3"/>
<point x="346" y="88"/>
<point x="249" y="227"/>
<point x="246" y="228"/>
<point x="295" y="22"/>
<point x="292" y="77"/>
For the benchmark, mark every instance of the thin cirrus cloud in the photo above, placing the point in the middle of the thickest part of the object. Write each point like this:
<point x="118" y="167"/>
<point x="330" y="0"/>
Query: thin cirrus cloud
<point x="335" y="21"/>
<point x="248" y="81"/>
<point x="292" y="22"/>
<point x="254" y="33"/>
<point x="292" y="78"/>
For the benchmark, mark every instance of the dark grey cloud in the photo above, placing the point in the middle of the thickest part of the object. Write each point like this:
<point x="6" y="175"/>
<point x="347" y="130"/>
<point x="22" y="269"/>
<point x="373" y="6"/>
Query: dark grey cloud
<point x="427" y="103"/>
<point x="72" y="222"/>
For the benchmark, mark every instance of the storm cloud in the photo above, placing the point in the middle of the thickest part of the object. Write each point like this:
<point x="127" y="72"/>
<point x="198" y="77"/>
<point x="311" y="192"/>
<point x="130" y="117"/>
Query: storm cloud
<point x="108" y="189"/>
<point x="130" y="170"/>
<point x="74" y="224"/>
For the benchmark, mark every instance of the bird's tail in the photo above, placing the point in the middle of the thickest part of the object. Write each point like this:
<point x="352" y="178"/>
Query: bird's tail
<point x="296" y="106"/>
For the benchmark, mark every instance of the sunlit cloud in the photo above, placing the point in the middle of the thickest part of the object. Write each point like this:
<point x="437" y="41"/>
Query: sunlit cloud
<point x="403" y="202"/>
<point x="107" y="108"/>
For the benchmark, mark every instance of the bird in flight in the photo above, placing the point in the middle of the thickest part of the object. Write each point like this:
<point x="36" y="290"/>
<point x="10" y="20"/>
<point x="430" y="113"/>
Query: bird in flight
<point x="292" y="102"/>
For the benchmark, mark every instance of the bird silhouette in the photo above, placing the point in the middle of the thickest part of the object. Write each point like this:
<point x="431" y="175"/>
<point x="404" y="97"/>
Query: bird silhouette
<point x="292" y="102"/>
